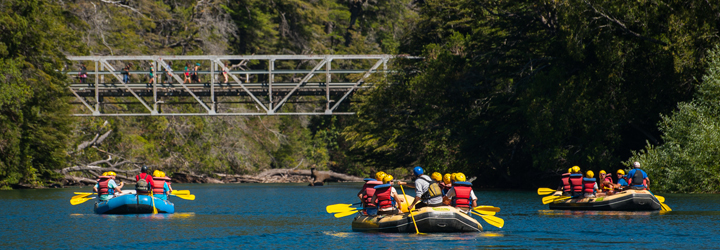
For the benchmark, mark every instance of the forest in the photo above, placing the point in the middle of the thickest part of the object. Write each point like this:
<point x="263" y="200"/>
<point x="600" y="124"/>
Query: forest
<point x="511" y="92"/>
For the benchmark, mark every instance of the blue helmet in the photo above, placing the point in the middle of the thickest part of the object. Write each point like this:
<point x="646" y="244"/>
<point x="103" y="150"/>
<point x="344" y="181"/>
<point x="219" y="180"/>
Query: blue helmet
<point x="418" y="170"/>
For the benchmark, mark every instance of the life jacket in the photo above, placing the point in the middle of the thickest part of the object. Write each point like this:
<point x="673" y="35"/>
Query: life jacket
<point x="608" y="186"/>
<point x="463" y="195"/>
<point x="433" y="189"/>
<point x="384" y="196"/>
<point x="566" y="182"/>
<point x="158" y="185"/>
<point x="369" y="188"/>
<point x="576" y="183"/>
<point x="103" y="188"/>
<point x="637" y="178"/>
<point x="588" y="185"/>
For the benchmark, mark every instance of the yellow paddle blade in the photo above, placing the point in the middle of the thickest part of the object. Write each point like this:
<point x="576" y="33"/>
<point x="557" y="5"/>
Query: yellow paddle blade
<point x="181" y="192"/>
<point x="487" y="208"/>
<point x="190" y="197"/>
<point x="660" y="198"/>
<point x="81" y="196"/>
<point x="553" y="198"/>
<point x="545" y="191"/>
<point x="492" y="220"/>
<point x="348" y="213"/>
<point x="339" y="209"/>
<point x="485" y="212"/>
<point x="665" y="207"/>
<point x="336" y="207"/>
<point x="84" y="193"/>
<point x="80" y="200"/>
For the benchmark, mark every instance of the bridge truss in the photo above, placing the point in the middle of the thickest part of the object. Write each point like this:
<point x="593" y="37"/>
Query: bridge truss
<point x="267" y="81"/>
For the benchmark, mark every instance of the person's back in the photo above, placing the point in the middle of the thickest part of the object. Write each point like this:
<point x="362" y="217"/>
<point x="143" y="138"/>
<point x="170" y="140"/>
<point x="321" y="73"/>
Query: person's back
<point x="144" y="181"/>
<point x="105" y="188"/>
<point x="160" y="185"/>
<point x="576" y="184"/>
<point x="637" y="178"/>
<point x="385" y="197"/>
<point x="589" y="185"/>
<point x="461" y="194"/>
<point x="565" y="183"/>
<point x="366" y="194"/>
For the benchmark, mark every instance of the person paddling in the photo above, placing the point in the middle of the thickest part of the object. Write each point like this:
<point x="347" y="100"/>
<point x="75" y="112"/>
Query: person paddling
<point x="564" y="185"/>
<point x="386" y="198"/>
<point x="461" y="194"/>
<point x="637" y="178"/>
<point x="106" y="186"/>
<point x="427" y="191"/>
<point x="606" y="183"/>
<point x="144" y="181"/>
<point x="161" y="189"/>
<point x="576" y="182"/>
<point x="368" y="191"/>
<point x="590" y="187"/>
<point x="621" y="183"/>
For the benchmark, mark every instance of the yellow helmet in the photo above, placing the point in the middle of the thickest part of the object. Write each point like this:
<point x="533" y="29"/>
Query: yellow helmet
<point x="436" y="176"/>
<point x="104" y="174"/>
<point x="452" y="176"/>
<point x="380" y="175"/>
<point x="576" y="169"/>
<point x="620" y="171"/>
<point x="603" y="172"/>
<point x="161" y="174"/>
<point x="590" y="174"/>
<point x="447" y="178"/>
<point x="570" y="170"/>
<point x="387" y="178"/>
<point x="460" y="177"/>
<point x="111" y="173"/>
<point x="156" y="173"/>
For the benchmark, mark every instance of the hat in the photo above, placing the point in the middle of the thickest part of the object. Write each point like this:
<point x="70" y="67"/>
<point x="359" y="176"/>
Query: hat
<point x="636" y="164"/>
<point x="198" y="64"/>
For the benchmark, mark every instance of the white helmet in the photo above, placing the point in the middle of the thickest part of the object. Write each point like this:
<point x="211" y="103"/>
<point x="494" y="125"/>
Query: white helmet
<point x="636" y="164"/>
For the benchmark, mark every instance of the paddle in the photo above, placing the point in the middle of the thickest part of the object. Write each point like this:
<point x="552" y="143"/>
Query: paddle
<point x="545" y="191"/>
<point x="339" y="207"/>
<point x="492" y="220"/>
<point x="486" y="208"/>
<point x="152" y="198"/>
<point x="181" y="192"/>
<point x="552" y="198"/>
<point x="410" y="211"/>
<point x="485" y="212"/>
<point x="190" y="197"/>
<point x="660" y="198"/>
<point x="343" y="214"/>
<point x="80" y="200"/>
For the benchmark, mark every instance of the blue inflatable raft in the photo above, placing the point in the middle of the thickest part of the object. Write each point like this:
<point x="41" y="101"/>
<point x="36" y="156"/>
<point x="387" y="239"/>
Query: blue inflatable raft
<point x="133" y="204"/>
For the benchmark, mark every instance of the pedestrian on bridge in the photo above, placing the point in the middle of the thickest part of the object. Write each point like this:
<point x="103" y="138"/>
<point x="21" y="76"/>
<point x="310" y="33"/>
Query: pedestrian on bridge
<point x="83" y="74"/>
<point x="187" y="73"/>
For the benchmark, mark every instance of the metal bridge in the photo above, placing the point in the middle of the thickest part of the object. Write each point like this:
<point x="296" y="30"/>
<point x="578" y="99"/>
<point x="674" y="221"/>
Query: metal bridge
<point x="267" y="81"/>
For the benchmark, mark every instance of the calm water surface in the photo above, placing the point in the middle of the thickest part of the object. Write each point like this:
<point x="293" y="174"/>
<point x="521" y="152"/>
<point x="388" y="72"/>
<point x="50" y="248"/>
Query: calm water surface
<point x="293" y="216"/>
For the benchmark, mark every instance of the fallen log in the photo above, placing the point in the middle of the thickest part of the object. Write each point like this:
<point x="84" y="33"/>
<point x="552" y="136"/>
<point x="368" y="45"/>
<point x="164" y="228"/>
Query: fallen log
<point x="333" y="177"/>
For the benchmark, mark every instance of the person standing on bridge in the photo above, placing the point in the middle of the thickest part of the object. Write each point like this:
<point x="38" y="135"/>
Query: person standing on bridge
<point x="152" y="75"/>
<point x="225" y="74"/>
<point x="196" y="77"/>
<point x="126" y="74"/>
<point x="168" y="73"/>
<point x="83" y="74"/>
<point x="187" y="73"/>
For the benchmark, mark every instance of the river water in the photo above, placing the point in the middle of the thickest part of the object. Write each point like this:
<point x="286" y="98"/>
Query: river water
<point x="292" y="216"/>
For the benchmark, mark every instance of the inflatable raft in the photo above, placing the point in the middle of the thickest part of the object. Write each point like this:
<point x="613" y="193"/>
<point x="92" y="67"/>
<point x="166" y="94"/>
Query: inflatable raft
<point x="429" y="220"/>
<point x="629" y="200"/>
<point x="133" y="204"/>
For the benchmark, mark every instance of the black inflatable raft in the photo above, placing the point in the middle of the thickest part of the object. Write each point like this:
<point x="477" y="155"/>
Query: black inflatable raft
<point x="429" y="220"/>
<point x="629" y="200"/>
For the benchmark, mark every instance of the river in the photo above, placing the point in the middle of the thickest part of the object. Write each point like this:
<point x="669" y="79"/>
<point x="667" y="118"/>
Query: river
<point x="292" y="216"/>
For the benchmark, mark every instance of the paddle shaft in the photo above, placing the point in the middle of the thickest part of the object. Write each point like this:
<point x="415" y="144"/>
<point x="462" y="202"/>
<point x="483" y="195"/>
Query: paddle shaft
<point x="410" y="211"/>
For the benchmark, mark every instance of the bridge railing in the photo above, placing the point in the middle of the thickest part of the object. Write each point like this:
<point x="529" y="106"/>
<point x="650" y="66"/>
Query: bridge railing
<point x="254" y="79"/>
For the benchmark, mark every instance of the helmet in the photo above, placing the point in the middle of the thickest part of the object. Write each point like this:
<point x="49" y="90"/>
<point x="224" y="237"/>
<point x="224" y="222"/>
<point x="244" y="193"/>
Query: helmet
<point x="144" y="169"/>
<point x="636" y="164"/>
<point x="156" y="173"/>
<point x="460" y="177"/>
<point x="436" y="176"/>
<point x="569" y="170"/>
<point x="104" y="174"/>
<point x="380" y="175"/>
<point x="620" y="171"/>
<point x="418" y="170"/>
<point x="590" y="174"/>
<point x="162" y="174"/>
<point x="603" y="172"/>
<point x="452" y="176"/>
<point x="576" y="169"/>
<point x="388" y="178"/>
<point x="111" y="173"/>
<point x="447" y="178"/>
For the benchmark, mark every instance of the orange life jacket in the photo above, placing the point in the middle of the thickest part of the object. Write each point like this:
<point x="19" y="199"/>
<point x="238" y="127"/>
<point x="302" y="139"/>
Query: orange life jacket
<point x="159" y="184"/>
<point x="576" y="183"/>
<point x="588" y="185"/>
<point x="462" y="195"/>
<point x="369" y="188"/>
<point x="566" y="182"/>
<point x="384" y="197"/>
<point x="103" y="188"/>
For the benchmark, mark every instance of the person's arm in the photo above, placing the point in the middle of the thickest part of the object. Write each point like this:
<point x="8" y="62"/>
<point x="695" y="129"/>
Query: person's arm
<point x="166" y="188"/>
<point x="118" y="189"/>
<point x="95" y="188"/>
<point x="374" y="198"/>
<point x="398" y="201"/>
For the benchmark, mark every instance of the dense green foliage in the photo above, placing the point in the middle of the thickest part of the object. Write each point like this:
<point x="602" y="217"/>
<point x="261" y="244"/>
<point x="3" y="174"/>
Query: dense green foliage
<point x="689" y="159"/>
<point x="512" y="89"/>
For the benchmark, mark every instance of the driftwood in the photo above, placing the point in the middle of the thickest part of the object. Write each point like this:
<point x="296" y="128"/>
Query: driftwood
<point x="193" y="178"/>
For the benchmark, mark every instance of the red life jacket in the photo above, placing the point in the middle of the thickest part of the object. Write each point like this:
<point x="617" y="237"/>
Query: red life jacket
<point x="576" y="183"/>
<point x="384" y="197"/>
<point x="566" y="182"/>
<point x="608" y="186"/>
<point x="588" y="185"/>
<point x="369" y="188"/>
<point x="462" y="195"/>
<point x="103" y="185"/>
<point x="158" y="185"/>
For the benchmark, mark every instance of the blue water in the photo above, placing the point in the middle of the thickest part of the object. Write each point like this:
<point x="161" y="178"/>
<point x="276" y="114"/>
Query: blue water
<point x="292" y="216"/>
